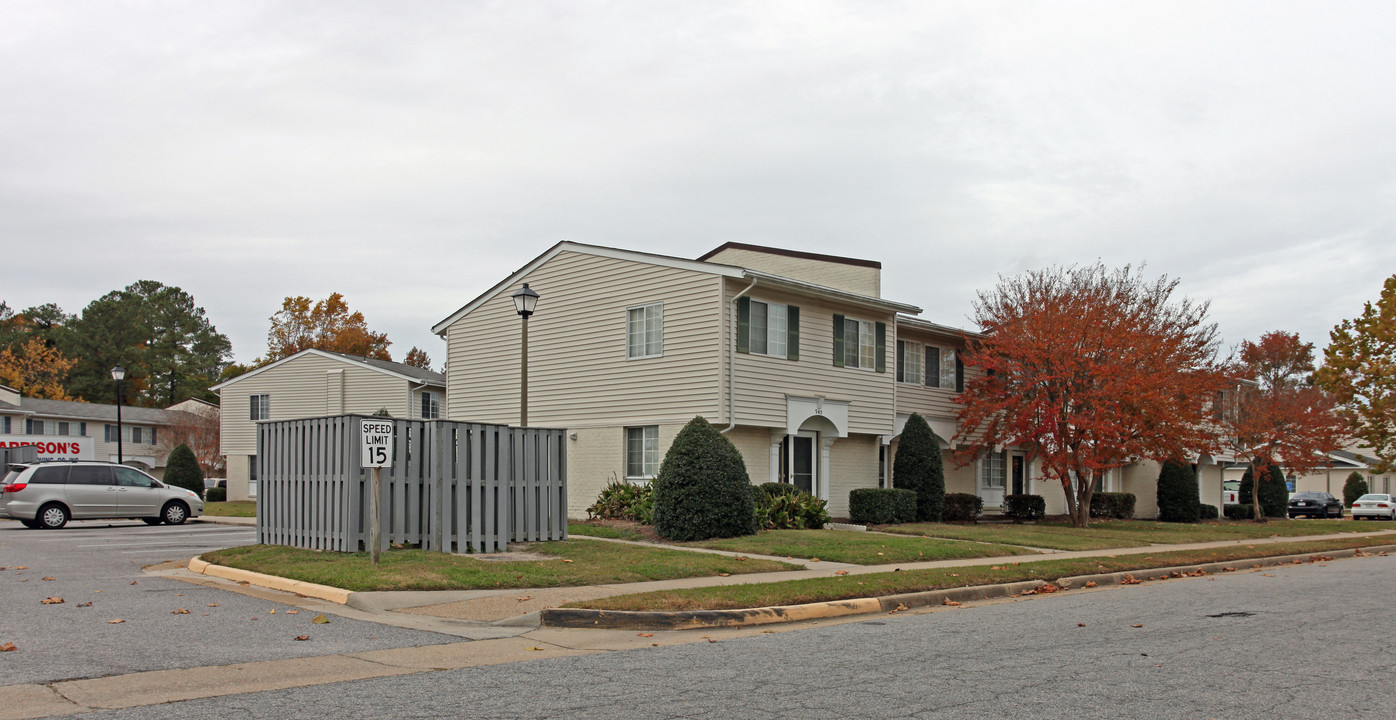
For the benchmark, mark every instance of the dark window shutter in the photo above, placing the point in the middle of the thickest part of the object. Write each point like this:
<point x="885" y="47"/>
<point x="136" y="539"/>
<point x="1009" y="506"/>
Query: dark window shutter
<point x="792" y="334"/>
<point x="901" y="360"/>
<point x="838" y="341"/>
<point x="932" y="366"/>
<point x="882" y="347"/>
<point x="959" y="374"/>
<point x="744" y="325"/>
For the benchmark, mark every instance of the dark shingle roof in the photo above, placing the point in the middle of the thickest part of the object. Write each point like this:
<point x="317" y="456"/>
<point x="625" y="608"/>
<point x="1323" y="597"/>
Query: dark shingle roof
<point x="420" y="374"/>
<point x="89" y="411"/>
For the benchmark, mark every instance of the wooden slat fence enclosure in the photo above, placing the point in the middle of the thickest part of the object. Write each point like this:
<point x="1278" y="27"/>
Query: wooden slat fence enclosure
<point x="451" y="486"/>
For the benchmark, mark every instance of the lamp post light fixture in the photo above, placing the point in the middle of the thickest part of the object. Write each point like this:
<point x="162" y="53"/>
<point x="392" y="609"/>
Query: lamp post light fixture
<point x="118" y="374"/>
<point x="525" y="300"/>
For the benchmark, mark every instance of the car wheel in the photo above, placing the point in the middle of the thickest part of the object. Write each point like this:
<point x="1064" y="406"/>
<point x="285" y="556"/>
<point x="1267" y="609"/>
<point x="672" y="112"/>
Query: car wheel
<point x="152" y="521"/>
<point x="175" y="513"/>
<point x="52" y="516"/>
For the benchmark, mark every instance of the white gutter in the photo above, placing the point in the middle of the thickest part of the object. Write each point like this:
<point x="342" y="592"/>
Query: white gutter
<point x="732" y="362"/>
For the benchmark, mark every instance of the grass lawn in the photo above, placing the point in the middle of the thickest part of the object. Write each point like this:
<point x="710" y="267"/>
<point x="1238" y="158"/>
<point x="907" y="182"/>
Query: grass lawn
<point x="859" y="548"/>
<point x="1124" y="533"/>
<point x="238" y="508"/>
<point x="603" y="531"/>
<point x="564" y="563"/>
<point x="793" y="592"/>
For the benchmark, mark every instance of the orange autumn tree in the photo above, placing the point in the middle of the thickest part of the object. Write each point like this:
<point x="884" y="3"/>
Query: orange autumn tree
<point x="36" y="369"/>
<point x="325" y="325"/>
<point x="1276" y="417"/>
<point x="1088" y="369"/>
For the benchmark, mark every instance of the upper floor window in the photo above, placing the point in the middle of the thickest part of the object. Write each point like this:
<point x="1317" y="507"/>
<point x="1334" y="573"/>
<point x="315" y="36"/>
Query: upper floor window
<point x="261" y="407"/>
<point x="860" y="344"/>
<point x="7" y="425"/>
<point x="645" y="331"/>
<point x="63" y="428"/>
<point x="431" y="405"/>
<point x="909" y="362"/>
<point x="765" y="328"/>
<point x="943" y="369"/>
<point x="135" y="434"/>
<point x="33" y="427"/>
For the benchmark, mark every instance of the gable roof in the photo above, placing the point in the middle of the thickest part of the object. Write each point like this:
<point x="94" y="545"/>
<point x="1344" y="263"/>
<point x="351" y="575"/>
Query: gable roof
<point x="793" y="254"/>
<point x="699" y="265"/>
<point x="90" y="411"/>
<point x="398" y="370"/>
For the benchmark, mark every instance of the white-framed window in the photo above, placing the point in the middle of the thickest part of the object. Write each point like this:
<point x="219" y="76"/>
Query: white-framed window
<point x="33" y="427"/>
<point x="769" y="327"/>
<point x="909" y="362"/>
<point x="260" y="407"/>
<point x="431" y="405"/>
<point x="252" y="476"/>
<point x="991" y="470"/>
<point x="859" y="344"/>
<point x="642" y="452"/>
<point x="645" y="331"/>
<point x="941" y="371"/>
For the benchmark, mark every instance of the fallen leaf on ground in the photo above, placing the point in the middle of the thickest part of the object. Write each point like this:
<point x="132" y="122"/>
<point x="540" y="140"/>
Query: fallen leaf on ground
<point x="48" y="578"/>
<point x="740" y="558"/>
<point x="566" y="560"/>
<point x="288" y="612"/>
<point x="1266" y="575"/>
<point x="1047" y="588"/>
<point x="817" y="559"/>
<point x="724" y="574"/>
<point x="114" y="622"/>
<point x="302" y="637"/>
<point x="86" y="604"/>
<point x="7" y="647"/>
<point x="841" y="572"/>
<point x="213" y="604"/>
<point x="21" y="567"/>
<point x="1129" y="580"/>
<point x="524" y="598"/>
<point x="52" y="601"/>
<point x="320" y="620"/>
<point x="133" y="582"/>
<point x="535" y="648"/>
<point x="179" y="611"/>
<point x="1080" y="624"/>
<point x="948" y="601"/>
<point x="711" y="640"/>
<point x="1136" y="626"/>
<point x="1228" y="569"/>
<point x="1090" y="583"/>
<point x="271" y="611"/>
<point x="644" y="634"/>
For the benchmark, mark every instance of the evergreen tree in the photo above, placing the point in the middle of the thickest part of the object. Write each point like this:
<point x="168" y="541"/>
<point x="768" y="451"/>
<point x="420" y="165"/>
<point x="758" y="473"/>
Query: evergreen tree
<point x="1354" y="488"/>
<point x="1177" y="493"/>
<point x="703" y="490"/>
<point x="1273" y="494"/>
<point x="919" y="467"/>
<point x="182" y="470"/>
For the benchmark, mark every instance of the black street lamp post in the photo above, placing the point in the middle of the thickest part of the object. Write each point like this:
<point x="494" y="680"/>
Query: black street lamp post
<point x="118" y="374"/>
<point x="525" y="300"/>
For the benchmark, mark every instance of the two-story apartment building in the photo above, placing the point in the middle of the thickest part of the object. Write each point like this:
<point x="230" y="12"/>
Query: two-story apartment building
<point x="315" y="383"/>
<point x="69" y="430"/>
<point x="794" y="355"/>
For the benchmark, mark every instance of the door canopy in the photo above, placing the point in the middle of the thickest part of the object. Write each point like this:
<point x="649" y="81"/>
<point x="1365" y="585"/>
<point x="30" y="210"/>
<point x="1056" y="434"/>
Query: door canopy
<point x="829" y="417"/>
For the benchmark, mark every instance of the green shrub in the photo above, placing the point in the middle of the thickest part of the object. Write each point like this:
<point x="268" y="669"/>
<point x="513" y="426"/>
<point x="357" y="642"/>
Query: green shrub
<point x="1208" y="512"/>
<point x="182" y="470"/>
<point x="962" y="507"/>
<point x="879" y="506"/>
<point x="1119" y="506"/>
<point x="1235" y="511"/>
<point x="772" y="489"/>
<point x="216" y="494"/>
<point x="1354" y="488"/>
<point x="1177" y="493"/>
<point x="919" y="467"/>
<point x="624" y="501"/>
<point x="1274" y="494"/>
<point x="790" y="510"/>
<point x="703" y="490"/>
<point x="1024" y="507"/>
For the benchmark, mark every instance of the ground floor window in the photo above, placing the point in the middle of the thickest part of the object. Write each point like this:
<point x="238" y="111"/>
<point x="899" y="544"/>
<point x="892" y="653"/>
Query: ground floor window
<point x="642" y="452"/>
<point x="991" y="471"/>
<point x="252" y="476"/>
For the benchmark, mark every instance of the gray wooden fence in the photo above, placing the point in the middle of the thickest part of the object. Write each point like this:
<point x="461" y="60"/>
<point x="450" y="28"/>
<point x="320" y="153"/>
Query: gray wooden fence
<point x="19" y="454"/>
<point x="452" y="486"/>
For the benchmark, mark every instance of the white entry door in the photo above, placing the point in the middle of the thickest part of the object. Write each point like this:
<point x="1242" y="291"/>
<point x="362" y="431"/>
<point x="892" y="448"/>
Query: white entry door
<point x="991" y="479"/>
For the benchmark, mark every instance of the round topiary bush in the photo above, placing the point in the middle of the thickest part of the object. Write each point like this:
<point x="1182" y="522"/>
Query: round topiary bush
<point x="918" y="467"/>
<point x="703" y="490"/>
<point x="182" y="470"/>
<point x="1274" y="494"/>
<point x="1177" y="493"/>
<point x="1354" y="488"/>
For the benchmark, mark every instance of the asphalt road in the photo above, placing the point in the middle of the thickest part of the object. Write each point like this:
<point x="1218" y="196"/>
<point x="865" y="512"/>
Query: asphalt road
<point x="99" y="562"/>
<point x="1293" y="642"/>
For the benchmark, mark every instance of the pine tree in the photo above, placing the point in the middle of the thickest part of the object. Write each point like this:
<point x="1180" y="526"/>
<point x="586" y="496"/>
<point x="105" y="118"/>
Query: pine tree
<point x="1177" y="493"/>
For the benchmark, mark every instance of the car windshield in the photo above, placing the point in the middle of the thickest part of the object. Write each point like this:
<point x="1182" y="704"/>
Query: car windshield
<point x="1232" y="485"/>
<point x="1375" y="498"/>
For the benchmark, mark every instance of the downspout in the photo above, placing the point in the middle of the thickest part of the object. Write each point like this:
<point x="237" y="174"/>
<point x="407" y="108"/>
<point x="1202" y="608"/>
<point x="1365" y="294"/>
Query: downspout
<point x="732" y="362"/>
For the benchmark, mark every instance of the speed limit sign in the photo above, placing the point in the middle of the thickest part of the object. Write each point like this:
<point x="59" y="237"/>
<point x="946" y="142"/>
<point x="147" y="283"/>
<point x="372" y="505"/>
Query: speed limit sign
<point x="376" y="450"/>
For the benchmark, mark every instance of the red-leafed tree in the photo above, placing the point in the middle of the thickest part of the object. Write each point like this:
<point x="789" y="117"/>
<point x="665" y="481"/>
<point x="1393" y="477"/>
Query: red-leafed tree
<point x="1089" y="369"/>
<point x="324" y="325"/>
<point x="1275" y="416"/>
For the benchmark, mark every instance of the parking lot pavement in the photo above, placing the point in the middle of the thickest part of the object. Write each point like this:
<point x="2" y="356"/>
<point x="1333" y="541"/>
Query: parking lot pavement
<point x="95" y="567"/>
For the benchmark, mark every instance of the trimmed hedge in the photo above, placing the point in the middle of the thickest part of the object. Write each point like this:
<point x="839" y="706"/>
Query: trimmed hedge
<point x="1354" y="488"/>
<point x="216" y="494"/>
<point x="1274" y="494"/>
<point x="1235" y="511"/>
<point x="703" y="490"/>
<point x="1177" y="493"/>
<point x="1119" y="506"/>
<point x="1209" y="512"/>
<point x="962" y="507"/>
<point x="918" y="466"/>
<point x="1024" y="507"/>
<point x="879" y="506"/>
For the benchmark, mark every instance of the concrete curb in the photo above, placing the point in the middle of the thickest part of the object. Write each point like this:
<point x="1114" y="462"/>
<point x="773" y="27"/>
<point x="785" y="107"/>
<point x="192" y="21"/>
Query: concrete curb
<point x="297" y="587"/>
<point x="705" y="619"/>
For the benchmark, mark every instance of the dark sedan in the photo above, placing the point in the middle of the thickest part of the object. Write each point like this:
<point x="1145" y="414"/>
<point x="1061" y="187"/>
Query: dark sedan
<point x="1315" y="504"/>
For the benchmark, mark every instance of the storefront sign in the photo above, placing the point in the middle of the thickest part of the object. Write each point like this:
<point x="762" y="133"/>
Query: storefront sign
<point x="54" y="447"/>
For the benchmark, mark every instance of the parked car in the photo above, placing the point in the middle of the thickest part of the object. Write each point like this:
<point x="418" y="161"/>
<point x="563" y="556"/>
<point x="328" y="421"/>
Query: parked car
<point x="1374" y="505"/>
<point x="49" y="494"/>
<point x="1315" y="504"/>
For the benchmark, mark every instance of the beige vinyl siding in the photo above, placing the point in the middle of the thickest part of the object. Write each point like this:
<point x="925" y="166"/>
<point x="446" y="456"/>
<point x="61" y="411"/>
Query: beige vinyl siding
<point x="852" y="465"/>
<point x="1141" y="479"/>
<point x="927" y="401"/>
<point x="579" y="374"/>
<point x="299" y="389"/>
<point x="763" y="382"/>
<point x="1209" y="485"/>
<point x="852" y="278"/>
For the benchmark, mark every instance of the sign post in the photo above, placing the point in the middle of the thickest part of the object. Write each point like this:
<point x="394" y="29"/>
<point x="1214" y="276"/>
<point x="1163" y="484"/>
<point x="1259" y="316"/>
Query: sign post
<point x="375" y="453"/>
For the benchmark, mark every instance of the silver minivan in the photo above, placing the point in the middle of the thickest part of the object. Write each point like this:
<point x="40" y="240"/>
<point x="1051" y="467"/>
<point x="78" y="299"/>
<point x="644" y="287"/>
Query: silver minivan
<point x="49" y="494"/>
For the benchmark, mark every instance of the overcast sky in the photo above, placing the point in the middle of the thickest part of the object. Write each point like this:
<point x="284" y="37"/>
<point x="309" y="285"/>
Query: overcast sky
<point x="412" y="154"/>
